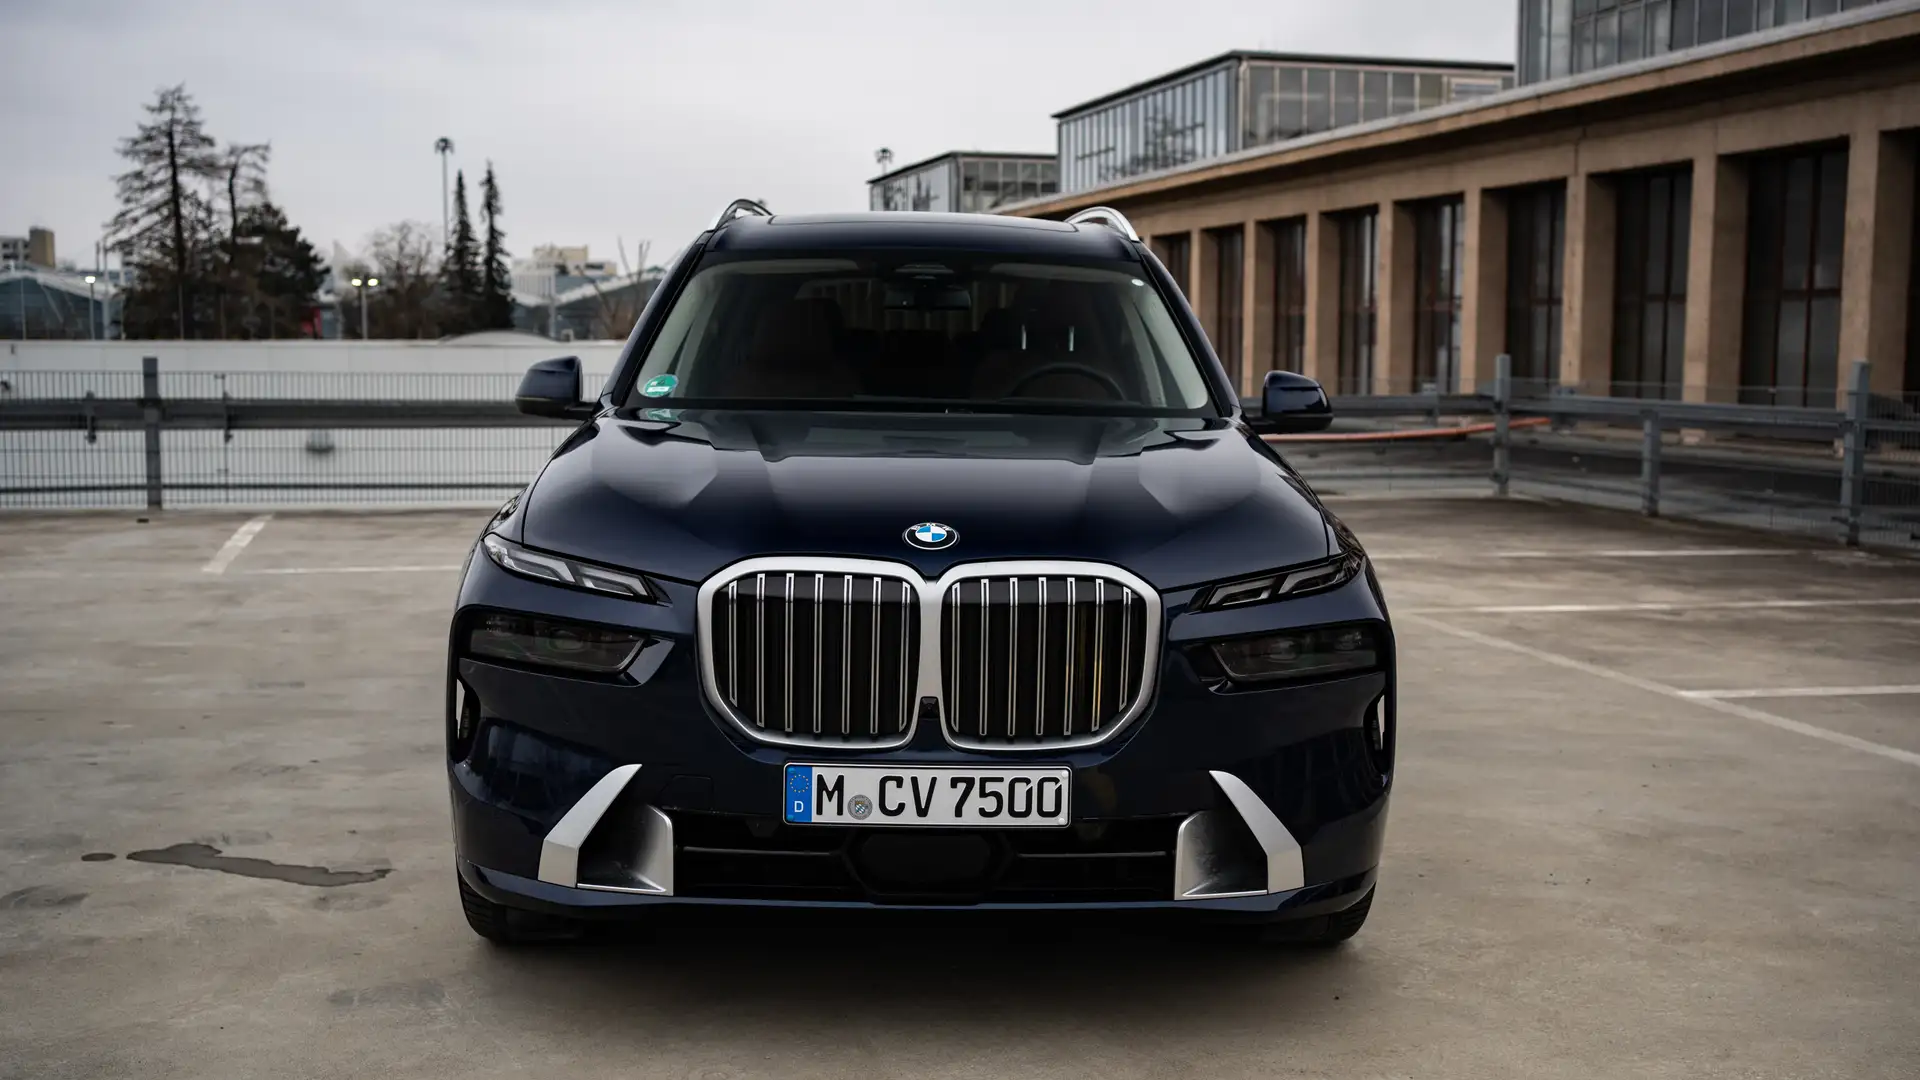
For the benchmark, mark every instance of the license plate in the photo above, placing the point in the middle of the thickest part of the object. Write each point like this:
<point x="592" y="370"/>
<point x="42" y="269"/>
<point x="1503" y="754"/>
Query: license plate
<point x="888" y="795"/>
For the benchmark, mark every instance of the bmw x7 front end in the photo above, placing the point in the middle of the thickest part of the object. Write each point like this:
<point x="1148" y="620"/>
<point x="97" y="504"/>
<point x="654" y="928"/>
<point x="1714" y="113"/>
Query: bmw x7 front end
<point x="922" y="561"/>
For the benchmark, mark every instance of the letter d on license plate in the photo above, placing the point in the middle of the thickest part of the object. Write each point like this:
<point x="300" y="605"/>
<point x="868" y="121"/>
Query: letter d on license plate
<point x="885" y="795"/>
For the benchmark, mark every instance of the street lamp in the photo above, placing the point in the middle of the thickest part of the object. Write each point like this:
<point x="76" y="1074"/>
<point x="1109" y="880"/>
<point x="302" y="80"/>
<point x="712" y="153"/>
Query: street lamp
<point x="362" y="285"/>
<point x="91" y="336"/>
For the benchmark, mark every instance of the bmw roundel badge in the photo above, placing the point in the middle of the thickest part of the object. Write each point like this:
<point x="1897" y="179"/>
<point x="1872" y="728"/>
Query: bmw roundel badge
<point x="932" y="536"/>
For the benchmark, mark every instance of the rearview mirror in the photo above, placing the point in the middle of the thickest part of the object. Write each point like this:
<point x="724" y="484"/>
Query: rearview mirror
<point x="552" y="388"/>
<point x="1291" y="404"/>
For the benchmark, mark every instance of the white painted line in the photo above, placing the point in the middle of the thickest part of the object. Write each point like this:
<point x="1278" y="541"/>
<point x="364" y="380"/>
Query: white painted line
<point x="281" y="570"/>
<point x="1675" y="605"/>
<point x="235" y="544"/>
<point x="1597" y="553"/>
<point x="1802" y="691"/>
<point x="1745" y="712"/>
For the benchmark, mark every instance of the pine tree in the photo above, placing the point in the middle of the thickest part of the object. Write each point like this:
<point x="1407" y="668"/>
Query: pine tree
<point x="283" y="270"/>
<point x="496" y="300"/>
<point x="164" y="229"/>
<point x="462" y="268"/>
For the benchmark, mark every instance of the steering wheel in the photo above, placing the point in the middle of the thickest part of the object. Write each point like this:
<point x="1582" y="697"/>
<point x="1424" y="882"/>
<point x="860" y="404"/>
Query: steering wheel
<point x="1068" y="367"/>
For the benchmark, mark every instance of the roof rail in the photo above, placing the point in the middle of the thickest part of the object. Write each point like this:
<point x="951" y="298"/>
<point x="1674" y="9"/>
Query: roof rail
<point x="1108" y="216"/>
<point x="741" y="206"/>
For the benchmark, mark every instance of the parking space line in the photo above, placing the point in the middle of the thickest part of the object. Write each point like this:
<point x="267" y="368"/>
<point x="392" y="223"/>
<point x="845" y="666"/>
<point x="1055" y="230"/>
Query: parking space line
<point x="1662" y="605"/>
<point x="1802" y="691"/>
<point x="1745" y="712"/>
<point x="1600" y="553"/>
<point x="423" y="569"/>
<point x="235" y="544"/>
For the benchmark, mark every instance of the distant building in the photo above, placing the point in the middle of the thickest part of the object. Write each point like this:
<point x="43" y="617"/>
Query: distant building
<point x="1568" y="37"/>
<point x="584" y="307"/>
<point x="43" y="304"/>
<point x="34" y="249"/>
<point x="1240" y="100"/>
<point x="965" y="181"/>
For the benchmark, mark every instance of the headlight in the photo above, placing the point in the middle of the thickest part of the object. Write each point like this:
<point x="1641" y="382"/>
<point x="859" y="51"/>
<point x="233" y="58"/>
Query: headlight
<point x="528" y="639"/>
<point x="1281" y="584"/>
<point x="1299" y="654"/>
<point x="541" y="566"/>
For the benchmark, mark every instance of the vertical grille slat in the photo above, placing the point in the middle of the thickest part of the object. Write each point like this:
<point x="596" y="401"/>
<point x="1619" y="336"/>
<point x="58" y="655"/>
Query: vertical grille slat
<point x="809" y="625"/>
<point x="1055" y="641"/>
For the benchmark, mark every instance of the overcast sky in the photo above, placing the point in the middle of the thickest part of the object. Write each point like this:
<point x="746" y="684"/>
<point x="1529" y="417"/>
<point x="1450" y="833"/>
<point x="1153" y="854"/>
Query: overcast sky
<point x="635" y="119"/>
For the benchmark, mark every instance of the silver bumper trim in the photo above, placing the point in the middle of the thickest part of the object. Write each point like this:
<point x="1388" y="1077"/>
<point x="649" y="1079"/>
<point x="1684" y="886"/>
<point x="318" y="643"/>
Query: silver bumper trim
<point x="653" y="863"/>
<point x="1200" y="861"/>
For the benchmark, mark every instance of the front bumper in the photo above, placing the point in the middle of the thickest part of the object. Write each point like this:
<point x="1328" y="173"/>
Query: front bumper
<point x="601" y="797"/>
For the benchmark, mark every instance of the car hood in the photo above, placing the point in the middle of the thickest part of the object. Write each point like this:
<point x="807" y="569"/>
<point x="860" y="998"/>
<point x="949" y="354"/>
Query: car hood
<point x="683" y="494"/>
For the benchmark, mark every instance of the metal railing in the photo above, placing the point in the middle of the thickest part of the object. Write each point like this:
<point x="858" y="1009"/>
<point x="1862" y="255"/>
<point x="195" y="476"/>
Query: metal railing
<point x="153" y="439"/>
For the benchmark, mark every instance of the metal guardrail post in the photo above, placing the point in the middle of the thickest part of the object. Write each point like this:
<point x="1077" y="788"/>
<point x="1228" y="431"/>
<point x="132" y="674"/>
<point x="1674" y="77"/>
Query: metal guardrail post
<point x="1853" y="447"/>
<point x="150" y="417"/>
<point x="1502" y="424"/>
<point x="1650" y="463"/>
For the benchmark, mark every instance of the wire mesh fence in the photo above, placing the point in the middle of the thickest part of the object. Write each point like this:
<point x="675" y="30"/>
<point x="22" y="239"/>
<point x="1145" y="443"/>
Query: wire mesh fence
<point x="259" y="438"/>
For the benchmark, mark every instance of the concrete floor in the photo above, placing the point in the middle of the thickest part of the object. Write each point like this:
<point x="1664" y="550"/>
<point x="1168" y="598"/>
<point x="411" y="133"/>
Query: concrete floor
<point x="1589" y="872"/>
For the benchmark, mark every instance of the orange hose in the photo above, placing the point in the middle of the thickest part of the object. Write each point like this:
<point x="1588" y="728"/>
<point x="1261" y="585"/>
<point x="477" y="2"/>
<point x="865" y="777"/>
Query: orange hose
<point x="1399" y="436"/>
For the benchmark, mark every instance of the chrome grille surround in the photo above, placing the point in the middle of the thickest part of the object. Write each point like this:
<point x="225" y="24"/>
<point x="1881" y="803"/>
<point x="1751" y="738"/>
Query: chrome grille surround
<point x="922" y="667"/>
<point x="871" y="600"/>
<point x="1092" y="595"/>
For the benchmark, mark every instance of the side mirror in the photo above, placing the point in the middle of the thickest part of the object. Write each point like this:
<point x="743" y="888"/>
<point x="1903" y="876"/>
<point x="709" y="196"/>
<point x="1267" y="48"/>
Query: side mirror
<point x="1291" y="404"/>
<point x="552" y="388"/>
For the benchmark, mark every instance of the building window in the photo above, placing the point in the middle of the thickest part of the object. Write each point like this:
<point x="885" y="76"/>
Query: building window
<point x="1536" y="256"/>
<point x="1359" y="295"/>
<point x="1796" y="222"/>
<point x="1438" y="249"/>
<point x="1175" y="251"/>
<point x="1229" y="266"/>
<point x="1913" y="307"/>
<point x="1289" y="295"/>
<point x="1654" y="211"/>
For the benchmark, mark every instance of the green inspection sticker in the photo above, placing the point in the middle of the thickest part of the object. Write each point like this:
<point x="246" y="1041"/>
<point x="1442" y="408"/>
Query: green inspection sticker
<point x="659" y="386"/>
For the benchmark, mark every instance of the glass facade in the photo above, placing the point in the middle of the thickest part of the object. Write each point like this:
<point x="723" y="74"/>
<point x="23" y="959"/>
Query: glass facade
<point x="1536" y="272"/>
<point x="1566" y="37"/>
<point x="1438" y="280"/>
<point x="1248" y="100"/>
<point x="966" y="183"/>
<point x="1796" y="223"/>
<point x="1655" y="214"/>
<point x="1359" y="296"/>
<point x="1289" y="340"/>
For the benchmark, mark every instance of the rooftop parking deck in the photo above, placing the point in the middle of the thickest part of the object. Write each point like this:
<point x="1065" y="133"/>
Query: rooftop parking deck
<point x="1658" y="815"/>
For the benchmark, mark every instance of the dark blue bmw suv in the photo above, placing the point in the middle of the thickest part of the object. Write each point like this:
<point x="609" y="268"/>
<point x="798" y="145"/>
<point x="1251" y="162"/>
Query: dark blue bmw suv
<point x="919" y="560"/>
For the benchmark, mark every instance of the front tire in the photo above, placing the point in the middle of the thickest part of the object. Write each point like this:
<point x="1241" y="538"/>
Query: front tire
<point x="503" y="925"/>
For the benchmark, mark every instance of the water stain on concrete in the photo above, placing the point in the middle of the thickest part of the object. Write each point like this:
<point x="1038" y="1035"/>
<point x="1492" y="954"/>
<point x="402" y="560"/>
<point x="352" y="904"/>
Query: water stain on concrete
<point x="40" y="896"/>
<point x="348" y="901"/>
<point x="207" y="857"/>
<point x="98" y="856"/>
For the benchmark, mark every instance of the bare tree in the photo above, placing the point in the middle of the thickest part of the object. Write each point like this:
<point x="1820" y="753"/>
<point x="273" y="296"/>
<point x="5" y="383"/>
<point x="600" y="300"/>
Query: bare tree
<point x="164" y="227"/>
<point x="406" y="258"/>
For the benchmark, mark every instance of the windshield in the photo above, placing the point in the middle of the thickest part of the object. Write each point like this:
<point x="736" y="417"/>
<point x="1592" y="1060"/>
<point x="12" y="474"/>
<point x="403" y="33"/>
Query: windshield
<point x="935" y="333"/>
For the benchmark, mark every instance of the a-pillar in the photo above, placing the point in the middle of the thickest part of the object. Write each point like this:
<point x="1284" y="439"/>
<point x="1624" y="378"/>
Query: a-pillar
<point x="1873" y="275"/>
<point x="1322" y="359"/>
<point x="1483" y="299"/>
<point x="1394" y="314"/>
<point x="1716" y="278"/>
<point x="1586" y="331"/>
